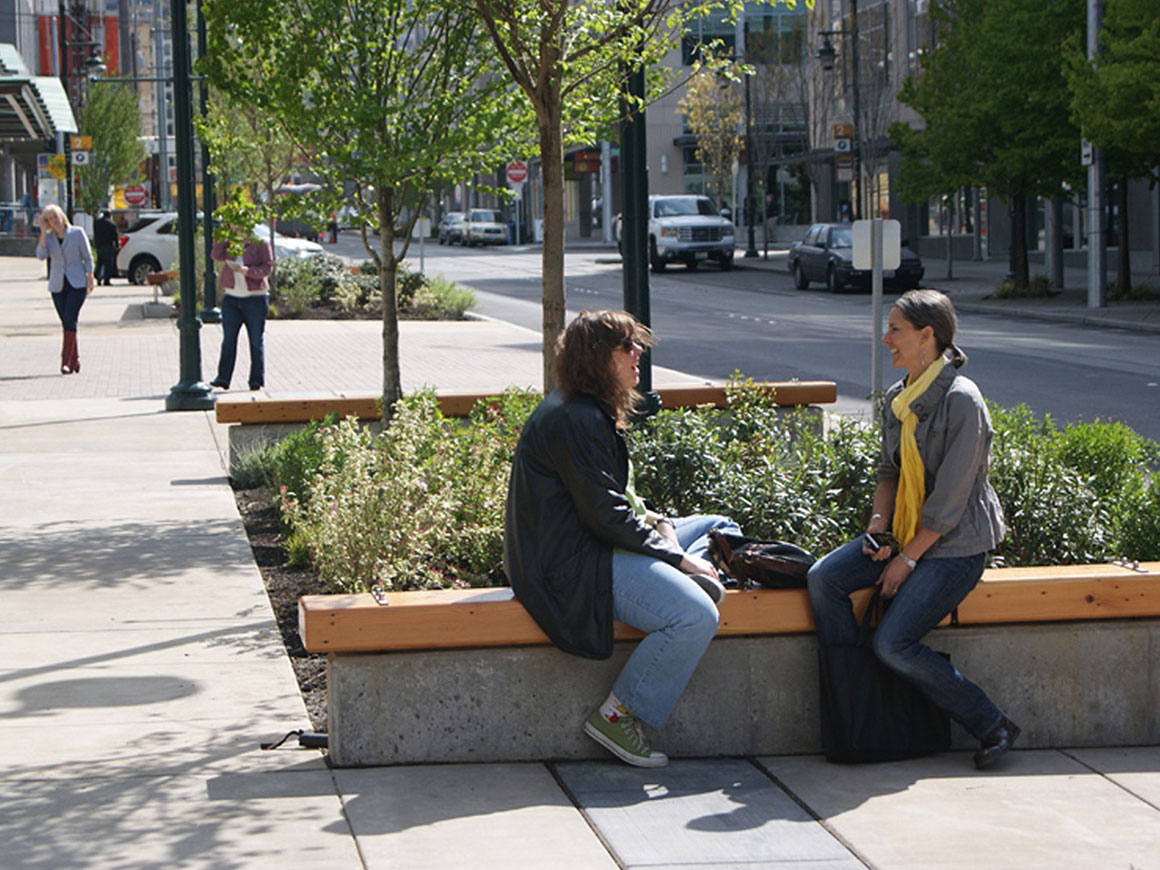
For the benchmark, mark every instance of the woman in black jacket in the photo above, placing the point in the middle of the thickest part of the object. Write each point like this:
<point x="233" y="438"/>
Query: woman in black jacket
<point x="581" y="550"/>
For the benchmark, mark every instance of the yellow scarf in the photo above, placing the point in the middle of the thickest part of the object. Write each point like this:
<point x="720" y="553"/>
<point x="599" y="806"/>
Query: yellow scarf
<point x="912" y="483"/>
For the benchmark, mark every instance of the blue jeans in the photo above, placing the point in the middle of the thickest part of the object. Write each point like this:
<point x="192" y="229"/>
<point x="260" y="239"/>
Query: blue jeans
<point x="68" y="304"/>
<point x="250" y="311"/>
<point x="933" y="590"/>
<point x="677" y="615"/>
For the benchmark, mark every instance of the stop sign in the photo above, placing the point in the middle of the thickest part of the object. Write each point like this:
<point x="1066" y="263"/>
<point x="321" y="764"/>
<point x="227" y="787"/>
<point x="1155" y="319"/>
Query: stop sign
<point x="136" y="194"/>
<point x="517" y="172"/>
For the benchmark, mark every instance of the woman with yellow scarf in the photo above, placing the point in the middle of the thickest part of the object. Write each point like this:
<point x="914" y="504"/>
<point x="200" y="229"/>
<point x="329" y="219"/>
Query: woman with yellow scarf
<point x="934" y="497"/>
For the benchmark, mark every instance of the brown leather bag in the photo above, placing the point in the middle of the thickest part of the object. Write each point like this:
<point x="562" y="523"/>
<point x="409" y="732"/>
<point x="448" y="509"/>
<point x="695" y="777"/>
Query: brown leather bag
<point x="772" y="564"/>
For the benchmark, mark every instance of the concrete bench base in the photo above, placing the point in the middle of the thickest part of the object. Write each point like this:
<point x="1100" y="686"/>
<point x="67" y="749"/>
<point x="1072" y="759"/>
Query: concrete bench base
<point x="1093" y="683"/>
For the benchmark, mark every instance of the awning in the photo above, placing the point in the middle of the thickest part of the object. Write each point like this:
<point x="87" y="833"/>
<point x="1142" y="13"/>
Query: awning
<point x="31" y="107"/>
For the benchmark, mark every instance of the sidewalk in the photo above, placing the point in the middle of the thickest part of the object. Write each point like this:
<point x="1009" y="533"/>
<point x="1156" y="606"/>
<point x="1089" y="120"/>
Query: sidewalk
<point x="144" y="667"/>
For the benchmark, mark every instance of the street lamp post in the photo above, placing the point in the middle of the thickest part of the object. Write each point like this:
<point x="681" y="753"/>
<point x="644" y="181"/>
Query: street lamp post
<point x="190" y="393"/>
<point x="826" y="55"/>
<point x="750" y="203"/>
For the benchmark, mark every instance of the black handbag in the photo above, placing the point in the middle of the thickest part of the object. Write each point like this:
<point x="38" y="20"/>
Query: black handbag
<point x="772" y="564"/>
<point x="868" y="712"/>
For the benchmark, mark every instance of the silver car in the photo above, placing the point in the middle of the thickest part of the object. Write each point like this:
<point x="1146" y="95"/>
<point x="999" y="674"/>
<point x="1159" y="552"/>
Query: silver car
<point x="484" y="226"/>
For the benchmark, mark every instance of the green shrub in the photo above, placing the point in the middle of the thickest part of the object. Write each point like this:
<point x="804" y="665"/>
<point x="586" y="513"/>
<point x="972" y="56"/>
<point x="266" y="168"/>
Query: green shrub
<point x="440" y="299"/>
<point x="421" y="504"/>
<point x="1037" y="287"/>
<point x="771" y="470"/>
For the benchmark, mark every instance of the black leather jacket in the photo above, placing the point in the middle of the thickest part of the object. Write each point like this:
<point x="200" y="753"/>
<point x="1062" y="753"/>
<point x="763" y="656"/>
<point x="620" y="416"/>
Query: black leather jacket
<point x="566" y="510"/>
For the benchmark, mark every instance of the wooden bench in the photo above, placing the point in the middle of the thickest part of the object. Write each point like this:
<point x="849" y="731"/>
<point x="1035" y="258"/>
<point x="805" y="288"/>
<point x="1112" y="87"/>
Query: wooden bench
<point x="258" y="409"/>
<point x="1041" y="640"/>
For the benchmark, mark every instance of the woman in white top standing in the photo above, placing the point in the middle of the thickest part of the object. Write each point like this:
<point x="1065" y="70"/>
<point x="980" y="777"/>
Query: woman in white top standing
<point x="70" y="277"/>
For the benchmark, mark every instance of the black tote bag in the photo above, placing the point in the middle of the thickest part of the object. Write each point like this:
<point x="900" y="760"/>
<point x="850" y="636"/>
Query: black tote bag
<point x="869" y="713"/>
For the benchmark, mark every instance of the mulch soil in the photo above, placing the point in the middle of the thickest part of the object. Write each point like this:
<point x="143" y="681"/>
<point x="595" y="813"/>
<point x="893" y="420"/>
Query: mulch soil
<point x="284" y="584"/>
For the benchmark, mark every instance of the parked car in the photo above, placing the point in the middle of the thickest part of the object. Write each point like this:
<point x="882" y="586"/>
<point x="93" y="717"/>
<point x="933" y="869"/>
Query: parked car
<point x="826" y="255"/>
<point x="688" y="228"/>
<point x="150" y="245"/>
<point x="484" y="226"/>
<point x="451" y="228"/>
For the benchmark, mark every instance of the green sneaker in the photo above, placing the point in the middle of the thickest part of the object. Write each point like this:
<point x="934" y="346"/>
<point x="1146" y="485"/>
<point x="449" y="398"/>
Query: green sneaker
<point x="624" y="739"/>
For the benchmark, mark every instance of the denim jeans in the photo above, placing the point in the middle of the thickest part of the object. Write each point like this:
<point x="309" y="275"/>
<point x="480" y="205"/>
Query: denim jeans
<point x="677" y="615"/>
<point x="68" y="304"/>
<point x="250" y="311"/>
<point x="933" y="590"/>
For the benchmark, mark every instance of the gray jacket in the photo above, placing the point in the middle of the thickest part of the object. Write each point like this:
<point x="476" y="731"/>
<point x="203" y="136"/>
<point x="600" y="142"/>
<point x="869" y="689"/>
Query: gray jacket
<point x="954" y="441"/>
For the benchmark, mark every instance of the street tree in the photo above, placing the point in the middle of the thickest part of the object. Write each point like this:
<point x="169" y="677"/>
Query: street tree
<point x="112" y="118"/>
<point x="714" y="110"/>
<point x="1115" y="100"/>
<point x="393" y="98"/>
<point x="250" y="149"/>
<point x="994" y="104"/>
<point x="571" y="61"/>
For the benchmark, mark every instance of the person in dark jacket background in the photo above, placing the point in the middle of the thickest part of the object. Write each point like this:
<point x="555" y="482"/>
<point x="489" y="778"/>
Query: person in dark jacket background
<point x="107" y="241"/>
<point x="581" y="549"/>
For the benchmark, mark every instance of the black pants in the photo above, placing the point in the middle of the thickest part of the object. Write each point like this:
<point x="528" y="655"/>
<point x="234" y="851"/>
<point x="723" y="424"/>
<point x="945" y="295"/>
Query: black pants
<point x="68" y="304"/>
<point x="106" y="264"/>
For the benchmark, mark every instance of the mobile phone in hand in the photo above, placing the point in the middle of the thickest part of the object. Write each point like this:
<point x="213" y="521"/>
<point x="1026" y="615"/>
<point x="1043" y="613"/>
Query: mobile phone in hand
<point x="868" y="540"/>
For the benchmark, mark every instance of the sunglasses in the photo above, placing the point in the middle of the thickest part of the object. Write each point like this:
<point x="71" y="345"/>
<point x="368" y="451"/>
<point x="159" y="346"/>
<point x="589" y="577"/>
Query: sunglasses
<point x="631" y="346"/>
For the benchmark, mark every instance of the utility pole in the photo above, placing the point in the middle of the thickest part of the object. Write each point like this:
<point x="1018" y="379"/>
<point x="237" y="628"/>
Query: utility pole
<point x="1097" y="238"/>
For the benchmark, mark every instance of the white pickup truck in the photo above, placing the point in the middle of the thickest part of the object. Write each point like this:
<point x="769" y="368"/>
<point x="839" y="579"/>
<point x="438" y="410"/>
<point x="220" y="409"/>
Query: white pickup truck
<point x="687" y="228"/>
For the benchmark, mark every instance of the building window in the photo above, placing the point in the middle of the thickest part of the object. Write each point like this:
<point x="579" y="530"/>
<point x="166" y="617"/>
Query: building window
<point x="775" y="35"/>
<point x="714" y="31"/>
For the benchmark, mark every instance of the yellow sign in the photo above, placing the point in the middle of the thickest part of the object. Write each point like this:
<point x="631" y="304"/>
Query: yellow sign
<point x="56" y="166"/>
<point x="843" y="131"/>
<point x="81" y="143"/>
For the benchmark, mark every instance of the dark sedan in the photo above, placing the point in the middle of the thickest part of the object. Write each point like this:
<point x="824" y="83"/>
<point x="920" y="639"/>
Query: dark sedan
<point x="451" y="228"/>
<point x="826" y="255"/>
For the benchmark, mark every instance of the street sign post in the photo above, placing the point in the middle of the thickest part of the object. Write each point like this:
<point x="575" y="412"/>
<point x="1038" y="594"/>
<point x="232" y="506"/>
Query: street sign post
<point x="877" y="246"/>
<point x="517" y="174"/>
<point x="136" y="195"/>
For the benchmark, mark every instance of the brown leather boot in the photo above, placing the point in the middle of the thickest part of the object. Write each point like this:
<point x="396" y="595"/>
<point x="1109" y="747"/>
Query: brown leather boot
<point x="74" y="360"/>
<point x="65" y="353"/>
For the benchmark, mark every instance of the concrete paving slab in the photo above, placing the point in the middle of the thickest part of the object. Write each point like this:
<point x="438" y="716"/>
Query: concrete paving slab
<point x="158" y="644"/>
<point x="486" y="817"/>
<point x="56" y="486"/>
<point x="107" y="747"/>
<point x="1136" y="769"/>
<point x="169" y="564"/>
<point x="1040" y="811"/>
<point x="150" y="694"/>
<point x="720" y="813"/>
<point x="244" y="820"/>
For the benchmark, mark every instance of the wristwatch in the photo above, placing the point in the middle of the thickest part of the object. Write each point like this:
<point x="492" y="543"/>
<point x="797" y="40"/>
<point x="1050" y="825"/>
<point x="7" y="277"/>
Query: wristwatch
<point x="910" y="563"/>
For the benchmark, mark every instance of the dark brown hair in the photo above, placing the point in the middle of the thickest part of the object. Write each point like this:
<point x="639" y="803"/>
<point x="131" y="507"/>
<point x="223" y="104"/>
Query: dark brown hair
<point x="584" y="354"/>
<point x="931" y="308"/>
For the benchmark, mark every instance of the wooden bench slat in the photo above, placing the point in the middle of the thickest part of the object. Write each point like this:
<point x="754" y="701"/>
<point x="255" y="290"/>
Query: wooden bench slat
<point x="458" y="618"/>
<point x="1072" y="592"/>
<point x="268" y="409"/>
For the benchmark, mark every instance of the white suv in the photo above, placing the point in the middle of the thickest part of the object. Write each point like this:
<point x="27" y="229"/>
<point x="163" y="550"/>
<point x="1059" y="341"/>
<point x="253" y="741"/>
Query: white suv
<point x="690" y="229"/>
<point x="150" y="245"/>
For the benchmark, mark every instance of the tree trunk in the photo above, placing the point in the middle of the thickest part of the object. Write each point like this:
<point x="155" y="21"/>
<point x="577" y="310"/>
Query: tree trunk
<point x="1124" y="251"/>
<point x="1019" y="240"/>
<point x="950" y="246"/>
<point x="388" y="269"/>
<point x="549" y="115"/>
